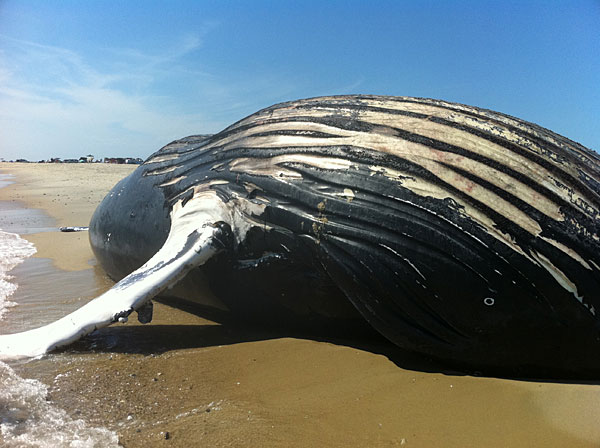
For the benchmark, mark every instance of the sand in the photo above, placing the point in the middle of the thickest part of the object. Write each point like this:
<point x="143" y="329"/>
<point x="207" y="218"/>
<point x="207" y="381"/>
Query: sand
<point x="185" y="381"/>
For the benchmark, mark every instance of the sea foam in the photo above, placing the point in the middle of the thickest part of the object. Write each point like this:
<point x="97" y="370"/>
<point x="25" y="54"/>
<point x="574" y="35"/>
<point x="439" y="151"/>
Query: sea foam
<point x="13" y="250"/>
<point x="27" y="418"/>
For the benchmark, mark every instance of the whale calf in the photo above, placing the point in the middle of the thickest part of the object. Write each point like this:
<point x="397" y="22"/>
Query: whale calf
<point x="463" y="234"/>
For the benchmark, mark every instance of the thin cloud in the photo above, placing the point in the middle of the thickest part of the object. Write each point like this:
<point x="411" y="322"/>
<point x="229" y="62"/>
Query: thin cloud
<point x="51" y="98"/>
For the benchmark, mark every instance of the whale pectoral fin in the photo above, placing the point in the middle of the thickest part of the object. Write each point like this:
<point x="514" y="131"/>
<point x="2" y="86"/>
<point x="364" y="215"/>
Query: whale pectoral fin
<point x="198" y="231"/>
<point x="145" y="312"/>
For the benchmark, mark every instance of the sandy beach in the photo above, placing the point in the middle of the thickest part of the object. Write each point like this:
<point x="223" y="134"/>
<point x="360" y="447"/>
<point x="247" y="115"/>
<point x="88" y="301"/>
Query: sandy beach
<point x="185" y="381"/>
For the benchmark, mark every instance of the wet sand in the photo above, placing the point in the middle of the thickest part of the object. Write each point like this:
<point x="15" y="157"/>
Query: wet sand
<point x="185" y="381"/>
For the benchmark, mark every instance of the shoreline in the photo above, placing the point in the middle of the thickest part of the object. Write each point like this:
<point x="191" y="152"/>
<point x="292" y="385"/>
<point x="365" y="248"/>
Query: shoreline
<point x="209" y="384"/>
<point x="67" y="193"/>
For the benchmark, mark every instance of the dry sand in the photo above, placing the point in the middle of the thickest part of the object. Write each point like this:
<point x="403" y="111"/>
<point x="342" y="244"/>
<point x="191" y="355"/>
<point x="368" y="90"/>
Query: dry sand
<point x="205" y="384"/>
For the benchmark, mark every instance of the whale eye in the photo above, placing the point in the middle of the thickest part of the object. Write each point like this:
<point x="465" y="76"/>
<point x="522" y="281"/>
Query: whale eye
<point x="488" y="301"/>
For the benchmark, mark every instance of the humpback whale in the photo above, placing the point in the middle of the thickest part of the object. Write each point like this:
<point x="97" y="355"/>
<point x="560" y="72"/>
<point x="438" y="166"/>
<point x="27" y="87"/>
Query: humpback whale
<point x="466" y="235"/>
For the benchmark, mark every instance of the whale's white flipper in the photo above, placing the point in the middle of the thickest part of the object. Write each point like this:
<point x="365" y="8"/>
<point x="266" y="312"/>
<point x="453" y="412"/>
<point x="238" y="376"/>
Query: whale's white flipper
<point x="196" y="234"/>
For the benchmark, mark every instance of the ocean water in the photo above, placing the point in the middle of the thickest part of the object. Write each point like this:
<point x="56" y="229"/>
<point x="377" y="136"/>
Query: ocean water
<point x="13" y="250"/>
<point x="27" y="417"/>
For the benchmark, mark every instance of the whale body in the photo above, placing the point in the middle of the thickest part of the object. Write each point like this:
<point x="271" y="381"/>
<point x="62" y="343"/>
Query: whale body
<point x="460" y="233"/>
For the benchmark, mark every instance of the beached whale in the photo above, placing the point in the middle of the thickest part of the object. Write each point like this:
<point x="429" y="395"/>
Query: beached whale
<point x="460" y="233"/>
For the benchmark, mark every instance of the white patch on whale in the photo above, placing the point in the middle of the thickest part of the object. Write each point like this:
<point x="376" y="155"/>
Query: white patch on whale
<point x="191" y="242"/>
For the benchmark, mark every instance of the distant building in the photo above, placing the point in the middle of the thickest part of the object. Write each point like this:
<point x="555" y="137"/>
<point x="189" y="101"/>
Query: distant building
<point x="86" y="159"/>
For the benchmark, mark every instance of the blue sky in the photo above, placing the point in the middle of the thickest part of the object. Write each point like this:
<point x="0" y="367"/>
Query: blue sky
<point x="123" y="78"/>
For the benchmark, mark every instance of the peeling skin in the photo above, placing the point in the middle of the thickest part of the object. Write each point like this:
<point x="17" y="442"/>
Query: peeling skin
<point x="486" y="196"/>
<point x="584" y="231"/>
<point x="388" y="143"/>
<point x="424" y="188"/>
<point x="250" y="187"/>
<point x="427" y="189"/>
<point x="558" y="275"/>
<point x="382" y="137"/>
<point x="509" y="121"/>
<point x="228" y="142"/>
<point x="160" y="158"/>
<point x="567" y="250"/>
<point x="218" y="166"/>
<point x="161" y="171"/>
<point x="263" y="168"/>
<point x="173" y="181"/>
<point x="272" y="166"/>
<point x="202" y="187"/>
<point x="455" y="113"/>
<point x="348" y="194"/>
<point x="456" y="116"/>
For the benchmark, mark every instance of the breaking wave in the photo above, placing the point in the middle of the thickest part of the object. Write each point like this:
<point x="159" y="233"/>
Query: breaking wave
<point x="27" y="418"/>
